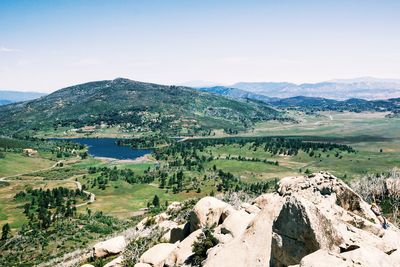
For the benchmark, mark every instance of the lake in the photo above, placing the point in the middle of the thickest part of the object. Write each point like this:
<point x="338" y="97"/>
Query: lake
<point x="107" y="148"/>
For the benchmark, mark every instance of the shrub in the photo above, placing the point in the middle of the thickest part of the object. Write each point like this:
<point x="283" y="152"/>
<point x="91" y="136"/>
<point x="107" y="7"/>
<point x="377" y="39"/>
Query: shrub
<point x="203" y="243"/>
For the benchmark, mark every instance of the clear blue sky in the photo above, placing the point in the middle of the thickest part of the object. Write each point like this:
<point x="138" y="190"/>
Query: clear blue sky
<point x="47" y="45"/>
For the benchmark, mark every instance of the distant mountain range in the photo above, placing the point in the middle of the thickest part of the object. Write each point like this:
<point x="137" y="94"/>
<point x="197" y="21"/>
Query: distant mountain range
<point x="311" y="104"/>
<point x="237" y="93"/>
<point x="134" y="106"/>
<point x="367" y="88"/>
<point x="8" y="97"/>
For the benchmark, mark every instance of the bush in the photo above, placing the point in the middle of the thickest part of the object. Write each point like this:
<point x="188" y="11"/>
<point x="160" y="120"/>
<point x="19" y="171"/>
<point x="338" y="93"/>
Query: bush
<point x="203" y="243"/>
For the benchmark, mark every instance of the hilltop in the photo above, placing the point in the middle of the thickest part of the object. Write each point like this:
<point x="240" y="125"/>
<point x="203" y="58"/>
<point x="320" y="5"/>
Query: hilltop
<point x="134" y="106"/>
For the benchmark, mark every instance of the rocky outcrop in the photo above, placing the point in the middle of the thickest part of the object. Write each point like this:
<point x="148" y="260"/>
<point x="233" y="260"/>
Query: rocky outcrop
<point x="310" y="221"/>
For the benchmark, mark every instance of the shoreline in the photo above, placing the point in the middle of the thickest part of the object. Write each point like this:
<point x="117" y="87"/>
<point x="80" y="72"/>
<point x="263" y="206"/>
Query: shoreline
<point x="143" y="159"/>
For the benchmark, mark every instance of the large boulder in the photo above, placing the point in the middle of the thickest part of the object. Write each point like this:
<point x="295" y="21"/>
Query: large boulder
<point x="209" y="211"/>
<point x="300" y="229"/>
<point x="109" y="247"/>
<point x="157" y="255"/>
<point x="236" y="223"/>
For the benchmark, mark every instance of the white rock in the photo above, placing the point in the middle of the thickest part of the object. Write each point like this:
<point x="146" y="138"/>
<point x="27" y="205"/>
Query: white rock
<point x="300" y="229"/>
<point x="117" y="262"/>
<point x="159" y="218"/>
<point x="236" y="223"/>
<point x="109" y="247"/>
<point x="252" y="209"/>
<point x="369" y="257"/>
<point x="252" y="248"/>
<point x="166" y="225"/>
<point x="157" y="255"/>
<point x="174" y="206"/>
<point x="323" y="258"/>
<point x="183" y="250"/>
<point x="207" y="212"/>
<point x="273" y="201"/>
<point x="395" y="257"/>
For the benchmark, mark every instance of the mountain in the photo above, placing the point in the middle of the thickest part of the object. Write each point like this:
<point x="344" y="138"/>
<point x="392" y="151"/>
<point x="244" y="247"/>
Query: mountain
<point x="363" y="88"/>
<point x="313" y="104"/>
<point x="134" y="106"/>
<point x="7" y="97"/>
<point x="236" y="93"/>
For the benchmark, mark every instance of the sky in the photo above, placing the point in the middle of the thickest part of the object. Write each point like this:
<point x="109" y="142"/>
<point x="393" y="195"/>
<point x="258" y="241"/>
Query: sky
<point x="48" y="45"/>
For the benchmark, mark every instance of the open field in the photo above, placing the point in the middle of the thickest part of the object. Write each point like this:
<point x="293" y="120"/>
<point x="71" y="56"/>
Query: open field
<point x="122" y="200"/>
<point x="15" y="163"/>
<point x="348" y="165"/>
<point x="334" y="124"/>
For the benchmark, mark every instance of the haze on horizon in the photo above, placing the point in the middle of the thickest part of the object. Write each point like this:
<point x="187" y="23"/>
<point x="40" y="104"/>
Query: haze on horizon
<point x="47" y="45"/>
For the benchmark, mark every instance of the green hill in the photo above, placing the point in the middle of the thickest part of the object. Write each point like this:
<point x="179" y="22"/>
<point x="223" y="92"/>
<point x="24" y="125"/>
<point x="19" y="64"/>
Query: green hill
<point x="133" y="106"/>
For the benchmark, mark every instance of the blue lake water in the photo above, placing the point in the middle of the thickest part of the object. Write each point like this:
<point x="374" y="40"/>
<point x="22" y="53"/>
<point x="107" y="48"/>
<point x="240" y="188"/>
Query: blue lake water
<point x="107" y="147"/>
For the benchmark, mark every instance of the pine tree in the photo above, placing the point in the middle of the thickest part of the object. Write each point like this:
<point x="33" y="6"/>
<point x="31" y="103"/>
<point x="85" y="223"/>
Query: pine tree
<point x="156" y="201"/>
<point x="5" y="233"/>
